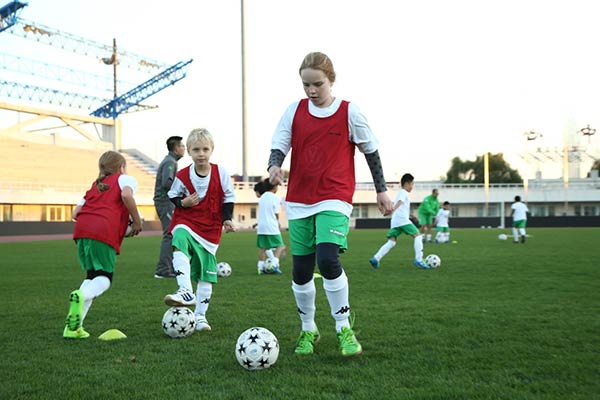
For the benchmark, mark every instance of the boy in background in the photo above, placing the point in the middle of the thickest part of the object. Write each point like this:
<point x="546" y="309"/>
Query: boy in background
<point x="441" y="224"/>
<point x="268" y="231"/>
<point x="401" y="223"/>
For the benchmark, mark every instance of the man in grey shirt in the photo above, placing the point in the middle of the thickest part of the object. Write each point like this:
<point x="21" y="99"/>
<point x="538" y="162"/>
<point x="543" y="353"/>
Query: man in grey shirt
<point x="164" y="207"/>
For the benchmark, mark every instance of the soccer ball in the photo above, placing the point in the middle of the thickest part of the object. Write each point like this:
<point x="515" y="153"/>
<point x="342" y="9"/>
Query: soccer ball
<point x="223" y="269"/>
<point x="433" y="261"/>
<point x="502" y="236"/>
<point x="268" y="267"/>
<point x="257" y="348"/>
<point x="179" y="322"/>
<point x="129" y="229"/>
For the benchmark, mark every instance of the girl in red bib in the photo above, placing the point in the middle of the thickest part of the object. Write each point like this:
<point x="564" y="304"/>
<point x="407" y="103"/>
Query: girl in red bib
<point x="322" y="132"/>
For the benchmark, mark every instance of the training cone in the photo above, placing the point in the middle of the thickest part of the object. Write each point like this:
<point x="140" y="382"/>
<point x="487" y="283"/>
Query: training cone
<point x="112" y="334"/>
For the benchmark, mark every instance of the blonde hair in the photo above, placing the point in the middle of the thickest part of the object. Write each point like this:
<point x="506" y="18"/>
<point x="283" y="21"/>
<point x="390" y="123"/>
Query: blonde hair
<point x="199" y="134"/>
<point x="319" y="61"/>
<point x="109" y="163"/>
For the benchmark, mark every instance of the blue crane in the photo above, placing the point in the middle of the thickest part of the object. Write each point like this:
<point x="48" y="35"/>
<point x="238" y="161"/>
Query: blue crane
<point x="9" y="14"/>
<point x="154" y="85"/>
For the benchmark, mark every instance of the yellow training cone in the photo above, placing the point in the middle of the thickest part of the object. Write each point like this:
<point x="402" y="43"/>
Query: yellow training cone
<point x="112" y="334"/>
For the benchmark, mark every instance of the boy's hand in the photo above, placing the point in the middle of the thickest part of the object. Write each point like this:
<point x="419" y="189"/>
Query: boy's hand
<point x="190" y="201"/>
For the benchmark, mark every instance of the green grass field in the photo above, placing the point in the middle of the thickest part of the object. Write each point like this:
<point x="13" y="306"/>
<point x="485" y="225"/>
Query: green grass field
<point x="495" y="321"/>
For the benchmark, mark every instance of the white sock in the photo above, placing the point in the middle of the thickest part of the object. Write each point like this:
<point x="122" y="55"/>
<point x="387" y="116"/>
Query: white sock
<point x="383" y="250"/>
<point x="447" y="237"/>
<point x="92" y="288"/>
<point x="305" y="300"/>
<point x="418" y="247"/>
<point x="269" y="253"/>
<point x="429" y="237"/>
<point x="181" y="265"/>
<point x="260" y="265"/>
<point x="203" y="293"/>
<point x="87" y="303"/>
<point x="515" y="234"/>
<point x="275" y="261"/>
<point x="522" y="231"/>
<point x="337" y="295"/>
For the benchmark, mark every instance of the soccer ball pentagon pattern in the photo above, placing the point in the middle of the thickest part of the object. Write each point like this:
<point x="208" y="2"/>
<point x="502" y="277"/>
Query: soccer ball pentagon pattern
<point x="257" y="348"/>
<point x="223" y="269"/>
<point x="433" y="261"/>
<point x="179" y="322"/>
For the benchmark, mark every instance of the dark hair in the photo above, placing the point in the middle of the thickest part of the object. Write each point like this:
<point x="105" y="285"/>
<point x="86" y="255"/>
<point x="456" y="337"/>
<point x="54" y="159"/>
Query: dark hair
<point x="406" y="178"/>
<point x="173" y="141"/>
<point x="259" y="187"/>
<point x="517" y="198"/>
<point x="446" y="203"/>
<point x="267" y="185"/>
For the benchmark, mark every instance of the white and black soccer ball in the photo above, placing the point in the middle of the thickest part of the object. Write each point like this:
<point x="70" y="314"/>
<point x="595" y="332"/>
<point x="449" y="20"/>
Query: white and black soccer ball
<point x="223" y="269"/>
<point x="129" y="229"/>
<point x="502" y="236"/>
<point x="179" y="322"/>
<point x="268" y="266"/>
<point x="433" y="261"/>
<point x="257" y="348"/>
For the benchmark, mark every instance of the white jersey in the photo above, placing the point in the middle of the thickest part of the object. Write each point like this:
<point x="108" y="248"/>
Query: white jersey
<point x="442" y="218"/>
<point x="359" y="133"/>
<point x="269" y="207"/>
<point x="520" y="211"/>
<point x="200" y="183"/>
<point x="400" y="216"/>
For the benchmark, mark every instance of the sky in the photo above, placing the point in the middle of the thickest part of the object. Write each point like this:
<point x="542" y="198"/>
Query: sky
<point x="436" y="79"/>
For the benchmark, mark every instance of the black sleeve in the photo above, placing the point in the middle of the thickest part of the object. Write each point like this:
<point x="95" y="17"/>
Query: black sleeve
<point x="177" y="201"/>
<point x="276" y="158"/>
<point x="227" y="212"/>
<point x="374" y="163"/>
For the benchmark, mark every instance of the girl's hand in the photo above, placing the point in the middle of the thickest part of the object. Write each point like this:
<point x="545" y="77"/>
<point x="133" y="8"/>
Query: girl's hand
<point x="384" y="203"/>
<point x="229" y="226"/>
<point x="275" y="175"/>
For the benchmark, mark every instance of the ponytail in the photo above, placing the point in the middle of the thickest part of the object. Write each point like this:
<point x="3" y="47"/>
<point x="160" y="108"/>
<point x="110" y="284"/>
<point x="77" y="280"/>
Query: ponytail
<point x="109" y="163"/>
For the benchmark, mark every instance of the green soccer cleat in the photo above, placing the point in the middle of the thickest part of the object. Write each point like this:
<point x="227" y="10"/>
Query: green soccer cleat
<point x="349" y="346"/>
<point x="75" y="314"/>
<point x="307" y="341"/>
<point x="79" y="333"/>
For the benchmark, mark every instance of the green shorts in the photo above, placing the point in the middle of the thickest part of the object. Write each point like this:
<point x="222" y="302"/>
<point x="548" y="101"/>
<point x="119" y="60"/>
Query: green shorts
<point x="520" y="223"/>
<point x="408" y="229"/>
<point x="442" y="229"/>
<point x="269" y="241"/>
<point x="425" y="219"/>
<point x="96" y="256"/>
<point x="203" y="265"/>
<point x="324" y="227"/>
